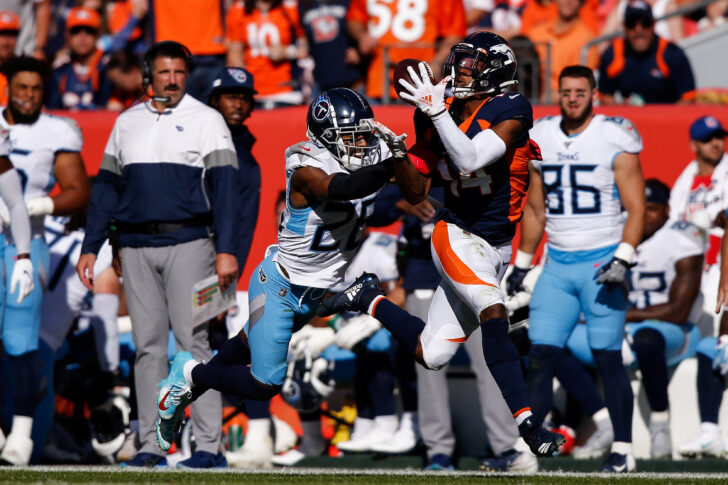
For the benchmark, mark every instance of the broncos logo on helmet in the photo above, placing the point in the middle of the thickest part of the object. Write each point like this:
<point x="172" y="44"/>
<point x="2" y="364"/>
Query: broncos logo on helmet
<point x="487" y="58"/>
<point x="340" y="121"/>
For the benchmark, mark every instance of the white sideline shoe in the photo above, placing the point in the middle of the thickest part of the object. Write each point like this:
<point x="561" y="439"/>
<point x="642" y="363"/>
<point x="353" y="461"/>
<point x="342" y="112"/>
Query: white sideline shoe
<point x="255" y="453"/>
<point x="17" y="450"/>
<point x="285" y="437"/>
<point x="660" y="440"/>
<point x="598" y="444"/>
<point x="366" y="434"/>
<point x="707" y="443"/>
<point x="404" y="440"/>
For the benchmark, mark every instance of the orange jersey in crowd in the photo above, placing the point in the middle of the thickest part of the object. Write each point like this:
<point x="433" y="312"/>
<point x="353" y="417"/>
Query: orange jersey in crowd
<point x="535" y="13"/>
<point x="118" y="15"/>
<point x="3" y="94"/>
<point x="405" y="21"/>
<point x="196" y="24"/>
<point x="259" y="32"/>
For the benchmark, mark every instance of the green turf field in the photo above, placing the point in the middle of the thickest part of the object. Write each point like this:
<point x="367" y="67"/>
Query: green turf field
<point x="114" y="475"/>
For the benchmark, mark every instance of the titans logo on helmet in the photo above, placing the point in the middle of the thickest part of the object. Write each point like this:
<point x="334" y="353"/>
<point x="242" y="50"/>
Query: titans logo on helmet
<point x="321" y="109"/>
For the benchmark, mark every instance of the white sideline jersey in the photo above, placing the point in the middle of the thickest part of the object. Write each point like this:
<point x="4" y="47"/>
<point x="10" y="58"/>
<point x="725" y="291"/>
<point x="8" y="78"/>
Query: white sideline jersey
<point x="65" y="297"/>
<point x="583" y="210"/>
<point x="656" y="258"/>
<point x="378" y="255"/>
<point x="317" y="243"/>
<point x="34" y="149"/>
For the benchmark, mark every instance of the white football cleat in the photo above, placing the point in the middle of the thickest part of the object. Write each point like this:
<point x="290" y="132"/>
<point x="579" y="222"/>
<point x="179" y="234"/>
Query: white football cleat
<point x="255" y="453"/>
<point x="364" y="437"/>
<point x="2" y="439"/>
<point x="660" y="440"/>
<point x="707" y="443"/>
<point x="17" y="450"/>
<point x="404" y="440"/>
<point x="285" y="437"/>
<point x="598" y="444"/>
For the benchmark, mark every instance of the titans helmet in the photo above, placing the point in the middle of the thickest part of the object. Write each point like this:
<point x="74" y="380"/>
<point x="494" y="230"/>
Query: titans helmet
<point x="487" y="58"/>
<point x="340" y="121"/>
<point x="110" y="427"/>
<point x="308" y="382"/>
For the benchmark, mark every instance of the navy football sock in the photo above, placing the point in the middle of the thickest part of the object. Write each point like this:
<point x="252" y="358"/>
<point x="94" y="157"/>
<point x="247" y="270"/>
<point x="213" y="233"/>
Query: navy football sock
<point x="710" y="390"/>
<point x="232" y="379"/>
<point x="26" y="382"/>
<point x="649" y="345"/>
<point x="578" y="383"/>
<point x="542" y="363"/>
<point x="505" y="364"/>
<point x="617" y="392"/>
<point x="232" y="351"/>
<point x="405" y="327"/>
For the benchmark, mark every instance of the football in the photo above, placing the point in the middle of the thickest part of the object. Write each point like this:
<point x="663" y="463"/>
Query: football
<point x="400" y="72"/>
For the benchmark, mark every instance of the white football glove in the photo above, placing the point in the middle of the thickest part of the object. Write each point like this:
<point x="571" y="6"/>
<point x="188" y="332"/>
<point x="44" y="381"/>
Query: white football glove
<point x="720" y="362"/>
<point x="356" y="329"/>
<point x="312" y="340"/>
<point x="428" y="98"/>
<point x="23" y="277"/>
<point x="394" y="142"/>
<point x="39" y="206"/>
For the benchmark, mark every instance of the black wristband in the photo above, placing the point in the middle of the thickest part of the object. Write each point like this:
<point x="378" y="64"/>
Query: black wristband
<point x="361" y="183"/>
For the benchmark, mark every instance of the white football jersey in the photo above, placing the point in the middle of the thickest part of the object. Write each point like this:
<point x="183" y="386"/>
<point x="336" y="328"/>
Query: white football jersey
<point x="34" y="149"/>
<point x="65" y="295"/>
<point x="583" y="209"/>
<point x="378" y="255"/>
<point x="656" y="258"/>
<point x="317" y="243"/>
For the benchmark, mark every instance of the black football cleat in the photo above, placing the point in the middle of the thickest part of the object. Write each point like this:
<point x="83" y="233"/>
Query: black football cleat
<point x="355" y="298"/>
<point x="541" y="441"/>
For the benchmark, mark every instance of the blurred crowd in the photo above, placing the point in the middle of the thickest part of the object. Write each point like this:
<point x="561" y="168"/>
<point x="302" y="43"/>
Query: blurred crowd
<point x="298" y="49"/>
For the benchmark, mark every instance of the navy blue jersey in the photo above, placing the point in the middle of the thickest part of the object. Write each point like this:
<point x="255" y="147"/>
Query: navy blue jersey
<point x="324" y="22"/>
<point x="660" y="75"/>
<point x="248" y="202"/>
<point x="486" y="202"/>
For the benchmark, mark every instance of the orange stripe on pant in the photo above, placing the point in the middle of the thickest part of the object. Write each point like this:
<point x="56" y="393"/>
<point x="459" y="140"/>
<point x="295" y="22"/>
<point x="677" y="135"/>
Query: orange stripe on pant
<point x="458" y="271"/>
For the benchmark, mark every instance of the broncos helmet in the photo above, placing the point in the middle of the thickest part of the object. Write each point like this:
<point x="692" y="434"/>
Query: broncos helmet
<point x="337" y="120"/>
<point x="490" y="60"/>
<point x="308" y="382"/>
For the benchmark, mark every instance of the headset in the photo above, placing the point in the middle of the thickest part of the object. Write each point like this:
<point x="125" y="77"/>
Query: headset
<point x="170" y="46"/>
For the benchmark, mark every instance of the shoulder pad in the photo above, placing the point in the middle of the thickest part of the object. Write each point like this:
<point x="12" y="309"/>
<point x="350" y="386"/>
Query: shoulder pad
<point x="688" y="230"/>
<point x="623" y="133"/>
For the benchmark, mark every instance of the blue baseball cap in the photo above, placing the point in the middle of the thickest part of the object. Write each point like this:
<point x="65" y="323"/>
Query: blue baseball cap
<point x="233" y="78"/>
<point x="705" y="128"/>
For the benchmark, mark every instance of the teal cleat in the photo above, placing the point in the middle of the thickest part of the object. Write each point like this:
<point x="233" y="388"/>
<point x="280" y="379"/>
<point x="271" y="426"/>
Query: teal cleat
<point x="174" y="393"/>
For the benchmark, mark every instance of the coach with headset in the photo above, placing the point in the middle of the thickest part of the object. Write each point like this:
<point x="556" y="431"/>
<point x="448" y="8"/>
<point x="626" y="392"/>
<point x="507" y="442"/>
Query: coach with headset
<point x="165" y="195"/>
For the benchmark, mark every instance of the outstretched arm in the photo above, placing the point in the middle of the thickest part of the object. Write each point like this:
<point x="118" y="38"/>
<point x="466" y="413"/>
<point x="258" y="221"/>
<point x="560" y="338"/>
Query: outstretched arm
<point x="309" y="183"/>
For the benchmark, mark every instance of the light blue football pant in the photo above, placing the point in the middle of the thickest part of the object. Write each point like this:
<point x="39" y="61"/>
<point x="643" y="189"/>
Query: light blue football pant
<point x="563" y="291"/>
<point x="21" y="321"/>
<point x="277" y="308"/>
<point x="681" y="341"/>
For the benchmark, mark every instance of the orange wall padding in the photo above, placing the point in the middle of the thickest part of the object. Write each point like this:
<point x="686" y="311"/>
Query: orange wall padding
<point x="664" y="129"/>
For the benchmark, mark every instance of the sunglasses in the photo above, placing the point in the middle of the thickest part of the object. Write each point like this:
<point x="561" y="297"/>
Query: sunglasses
<point x="632" y="22"/>
<point x="83" y="28"/>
